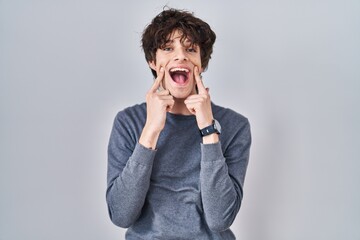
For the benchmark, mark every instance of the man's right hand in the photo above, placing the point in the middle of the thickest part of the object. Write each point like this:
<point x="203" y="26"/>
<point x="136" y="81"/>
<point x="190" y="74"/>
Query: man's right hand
<point x="157" y="104"/>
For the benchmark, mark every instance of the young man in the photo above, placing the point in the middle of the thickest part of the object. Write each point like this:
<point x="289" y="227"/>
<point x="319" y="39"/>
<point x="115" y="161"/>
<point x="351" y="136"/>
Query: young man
<point x="172" y="172"/>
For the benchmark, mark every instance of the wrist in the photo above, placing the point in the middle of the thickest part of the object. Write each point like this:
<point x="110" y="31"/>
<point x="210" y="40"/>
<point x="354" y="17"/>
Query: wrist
<point x="204" y="120"/>
<point x="205" y="124"/>
<point x="211" y="139"/>
<point x="149" y="137"/>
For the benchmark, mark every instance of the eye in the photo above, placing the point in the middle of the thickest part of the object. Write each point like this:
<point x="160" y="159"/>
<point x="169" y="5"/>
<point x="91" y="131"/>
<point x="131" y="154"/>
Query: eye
<point x="167" y="49"/>
<point x="193" y="50"/>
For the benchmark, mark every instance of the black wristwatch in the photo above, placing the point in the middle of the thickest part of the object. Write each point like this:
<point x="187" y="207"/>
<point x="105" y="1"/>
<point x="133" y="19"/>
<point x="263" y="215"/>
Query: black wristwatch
<point x="213" y="128"/>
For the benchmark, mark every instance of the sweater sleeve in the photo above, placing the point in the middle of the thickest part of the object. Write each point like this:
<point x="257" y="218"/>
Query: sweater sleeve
<point x="129" y="171"/>
<point x="222" y="177"/>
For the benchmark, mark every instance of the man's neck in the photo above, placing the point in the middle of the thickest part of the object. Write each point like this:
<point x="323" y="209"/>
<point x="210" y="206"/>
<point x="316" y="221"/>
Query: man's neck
<point x="180" y="108"/>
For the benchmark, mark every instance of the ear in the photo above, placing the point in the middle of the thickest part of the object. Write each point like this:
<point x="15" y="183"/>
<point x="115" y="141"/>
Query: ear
<point x="152" y="65"/>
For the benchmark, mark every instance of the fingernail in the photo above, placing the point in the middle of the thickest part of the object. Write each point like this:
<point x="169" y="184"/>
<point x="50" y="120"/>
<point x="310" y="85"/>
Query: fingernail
<point x="161" y="69"/>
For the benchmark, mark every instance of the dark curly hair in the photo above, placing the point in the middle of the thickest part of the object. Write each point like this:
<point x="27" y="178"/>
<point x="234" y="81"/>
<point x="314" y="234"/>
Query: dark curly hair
<point x="158" y="32"/>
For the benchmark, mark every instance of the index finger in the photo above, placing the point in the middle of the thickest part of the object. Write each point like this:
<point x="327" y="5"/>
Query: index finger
<point x="158" y="80"/>
<point x="199" y="81"/>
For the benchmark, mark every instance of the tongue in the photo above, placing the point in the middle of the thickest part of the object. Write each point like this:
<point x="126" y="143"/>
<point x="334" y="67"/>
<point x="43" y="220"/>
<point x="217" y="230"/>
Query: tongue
<point x="179" y="78"/>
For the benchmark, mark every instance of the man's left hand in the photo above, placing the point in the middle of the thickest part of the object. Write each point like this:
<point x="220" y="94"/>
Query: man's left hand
<point x="200" y="104"/>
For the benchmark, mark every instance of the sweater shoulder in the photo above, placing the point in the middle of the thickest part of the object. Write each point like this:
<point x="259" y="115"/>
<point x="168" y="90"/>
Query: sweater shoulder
<point x="229" y="116"/>
<point x="131" y="120"/>
<point x="133" y="113"/>
<point x="235" y="127"/>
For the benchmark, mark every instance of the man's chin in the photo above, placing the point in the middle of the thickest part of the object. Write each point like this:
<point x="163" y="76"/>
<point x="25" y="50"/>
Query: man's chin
<point x="181" y="95"/>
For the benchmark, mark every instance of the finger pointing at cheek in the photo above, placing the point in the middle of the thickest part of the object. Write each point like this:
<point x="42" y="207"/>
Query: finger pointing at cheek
<point x="158" y="80"/>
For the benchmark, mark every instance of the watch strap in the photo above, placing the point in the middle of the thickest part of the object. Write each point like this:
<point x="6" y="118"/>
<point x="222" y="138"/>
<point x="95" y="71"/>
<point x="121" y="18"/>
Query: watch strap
<point x="209" y="129"/>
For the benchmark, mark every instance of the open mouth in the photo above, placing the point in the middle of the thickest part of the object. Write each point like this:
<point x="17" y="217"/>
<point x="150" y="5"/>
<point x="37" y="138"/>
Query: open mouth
<point x="179" y="75"/>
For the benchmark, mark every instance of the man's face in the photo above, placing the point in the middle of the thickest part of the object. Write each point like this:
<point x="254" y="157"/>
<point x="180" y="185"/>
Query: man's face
<point x="178" y="60"/>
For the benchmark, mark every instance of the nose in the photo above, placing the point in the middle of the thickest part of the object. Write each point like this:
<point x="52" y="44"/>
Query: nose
<point x="180" y="54"/>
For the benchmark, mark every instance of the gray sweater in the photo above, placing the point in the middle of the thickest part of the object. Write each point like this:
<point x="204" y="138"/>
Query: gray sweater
<point x="184" y="189"/>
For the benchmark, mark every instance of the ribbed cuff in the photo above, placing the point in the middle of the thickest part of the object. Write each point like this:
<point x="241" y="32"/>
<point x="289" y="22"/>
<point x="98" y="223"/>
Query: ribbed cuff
<point x="143" y="155"/>
<point x="211" y="152"/>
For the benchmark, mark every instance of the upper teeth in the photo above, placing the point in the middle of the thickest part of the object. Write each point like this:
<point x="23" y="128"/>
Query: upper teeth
<point x="179" y="69"/>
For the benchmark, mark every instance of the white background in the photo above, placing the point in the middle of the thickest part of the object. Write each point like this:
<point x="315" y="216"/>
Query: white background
<point x="292" y="67"/>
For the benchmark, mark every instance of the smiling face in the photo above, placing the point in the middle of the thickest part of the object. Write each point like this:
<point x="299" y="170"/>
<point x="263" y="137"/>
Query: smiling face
<point x="178" y="57"/>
